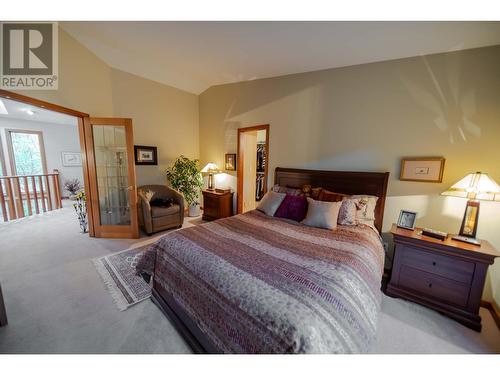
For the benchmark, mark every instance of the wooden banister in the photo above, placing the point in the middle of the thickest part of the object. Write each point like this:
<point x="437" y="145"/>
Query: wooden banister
<point x="35" y="194"/>
<point x="5" y="216"/>
<point x="15" y="190"/>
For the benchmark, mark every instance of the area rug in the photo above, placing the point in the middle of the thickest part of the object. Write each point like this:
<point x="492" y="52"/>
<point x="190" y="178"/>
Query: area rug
<point x="117" y="271"/>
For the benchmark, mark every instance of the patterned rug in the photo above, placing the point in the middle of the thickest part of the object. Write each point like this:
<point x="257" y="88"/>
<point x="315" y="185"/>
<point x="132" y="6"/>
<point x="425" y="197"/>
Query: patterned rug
<point x="117" y="271"/>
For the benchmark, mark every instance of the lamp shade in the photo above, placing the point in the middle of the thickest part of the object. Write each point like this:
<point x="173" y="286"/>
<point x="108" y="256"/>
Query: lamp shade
<point x="475" y="186"/>
<point x="210" y="168"/>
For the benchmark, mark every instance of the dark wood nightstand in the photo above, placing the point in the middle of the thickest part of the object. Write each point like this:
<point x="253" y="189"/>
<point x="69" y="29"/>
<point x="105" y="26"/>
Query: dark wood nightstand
<point x="447" y="276"/>
<point x="217" y="205"/>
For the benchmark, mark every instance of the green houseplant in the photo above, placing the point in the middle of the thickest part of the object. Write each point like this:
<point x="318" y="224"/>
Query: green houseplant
<point x="184" y="176"/>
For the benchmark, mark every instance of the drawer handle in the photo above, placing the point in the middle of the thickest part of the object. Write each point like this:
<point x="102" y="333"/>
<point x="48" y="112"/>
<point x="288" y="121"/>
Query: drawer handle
<point x="430" y="285"/>
<point x="433" y="263"/>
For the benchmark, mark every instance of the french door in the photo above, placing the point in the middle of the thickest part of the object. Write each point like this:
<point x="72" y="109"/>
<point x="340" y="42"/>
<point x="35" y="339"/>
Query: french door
<point x="109" y="148"/>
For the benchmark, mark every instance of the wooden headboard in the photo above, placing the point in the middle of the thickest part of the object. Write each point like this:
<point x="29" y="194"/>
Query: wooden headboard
<point x="370" y="183"/>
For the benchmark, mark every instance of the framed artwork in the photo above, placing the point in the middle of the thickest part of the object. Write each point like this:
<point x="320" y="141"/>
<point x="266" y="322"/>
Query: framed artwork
<point x="71" y="159"/>
<point x="422" y="169"/>
<point x="407" y="219"/>
<point x="145" y="155"/>
<point x="230" y="162"/>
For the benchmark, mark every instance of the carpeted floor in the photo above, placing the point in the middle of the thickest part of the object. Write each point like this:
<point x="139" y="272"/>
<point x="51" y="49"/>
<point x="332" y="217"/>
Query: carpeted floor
<point x="57" y="303"/>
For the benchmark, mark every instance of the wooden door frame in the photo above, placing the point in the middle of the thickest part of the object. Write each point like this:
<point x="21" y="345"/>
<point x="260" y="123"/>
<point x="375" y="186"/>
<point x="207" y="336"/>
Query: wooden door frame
<point x="240" y="174"/>
<point x="111" y="231"/>
<point x="80" y="117"/>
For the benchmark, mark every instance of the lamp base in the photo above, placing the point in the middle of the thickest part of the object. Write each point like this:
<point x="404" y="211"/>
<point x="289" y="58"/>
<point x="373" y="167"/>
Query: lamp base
<point x="211" y="182"/>
<point x="472" y="241"/>
<point x="470" y="220"/>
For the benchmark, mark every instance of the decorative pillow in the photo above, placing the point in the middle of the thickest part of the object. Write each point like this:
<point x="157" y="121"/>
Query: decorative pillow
<point x="347" y="212"/>
<point x="286" y="190"/>
<point x="309" y="191"/>
<point x="322" y="214"/>
<point x="270" y="202"/>
<point x="365" y="207"/>
<point x="293" y="207"/>
<point x="330" y="196"/>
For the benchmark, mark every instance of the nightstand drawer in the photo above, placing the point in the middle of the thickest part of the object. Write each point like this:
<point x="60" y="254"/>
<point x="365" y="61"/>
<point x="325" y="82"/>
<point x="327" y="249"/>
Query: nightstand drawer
<point x="211" y="206"/>
<point x="434" y="286"/>
<point x="446" y="266"/>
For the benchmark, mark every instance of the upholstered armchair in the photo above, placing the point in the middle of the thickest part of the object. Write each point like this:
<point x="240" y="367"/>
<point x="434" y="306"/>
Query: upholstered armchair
<point x="154" y="219"/>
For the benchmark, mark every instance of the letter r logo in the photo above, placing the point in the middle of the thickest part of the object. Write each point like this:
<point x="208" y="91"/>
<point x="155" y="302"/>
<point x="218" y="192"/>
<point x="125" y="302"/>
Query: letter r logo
<point x="27" y="49"/>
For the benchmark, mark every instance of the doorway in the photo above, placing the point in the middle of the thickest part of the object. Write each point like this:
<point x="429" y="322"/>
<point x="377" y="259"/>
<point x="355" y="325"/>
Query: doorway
<point x="107" y="160"/>
<point x="253" y="163"/>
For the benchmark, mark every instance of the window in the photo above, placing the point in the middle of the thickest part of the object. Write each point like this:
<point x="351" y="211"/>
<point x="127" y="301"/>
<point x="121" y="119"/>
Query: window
<point x="27" y="155"/>
<point x="3" y="170"/>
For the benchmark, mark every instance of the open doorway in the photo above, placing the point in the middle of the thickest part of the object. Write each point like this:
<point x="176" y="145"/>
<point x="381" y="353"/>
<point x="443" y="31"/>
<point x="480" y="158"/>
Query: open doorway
<point x="40" y="159"/>
<point x="253" y="162"/>
<point x="103" y="150"/>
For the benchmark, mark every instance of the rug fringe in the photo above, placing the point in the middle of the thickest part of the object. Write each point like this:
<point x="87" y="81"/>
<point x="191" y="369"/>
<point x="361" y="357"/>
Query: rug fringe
<point x="109" y="284"/>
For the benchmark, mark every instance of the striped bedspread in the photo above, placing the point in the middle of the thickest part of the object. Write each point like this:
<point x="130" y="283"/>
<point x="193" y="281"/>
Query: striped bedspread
<point x="258" y="284"/>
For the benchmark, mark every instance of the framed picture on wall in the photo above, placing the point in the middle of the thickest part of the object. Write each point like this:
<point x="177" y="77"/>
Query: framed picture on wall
<point x="145" y="155"/>
<point x="230" y="162"/>
<point x="428" y="169"/>
<point x="71" y="159"/>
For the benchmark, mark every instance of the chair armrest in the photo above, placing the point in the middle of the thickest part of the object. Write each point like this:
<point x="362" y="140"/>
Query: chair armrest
<point x="147" y="220"/>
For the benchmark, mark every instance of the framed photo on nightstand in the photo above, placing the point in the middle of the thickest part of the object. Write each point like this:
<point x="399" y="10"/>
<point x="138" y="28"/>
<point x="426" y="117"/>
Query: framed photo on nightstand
<point x="407" y="219"/>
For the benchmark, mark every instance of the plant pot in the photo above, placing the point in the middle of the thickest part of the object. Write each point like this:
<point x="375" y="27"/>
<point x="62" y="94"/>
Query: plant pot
<point x="194" y="210"/>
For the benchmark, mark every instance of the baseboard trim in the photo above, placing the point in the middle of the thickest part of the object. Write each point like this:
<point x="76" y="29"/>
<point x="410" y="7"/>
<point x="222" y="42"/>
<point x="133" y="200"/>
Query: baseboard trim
<point x="493" y="311"/>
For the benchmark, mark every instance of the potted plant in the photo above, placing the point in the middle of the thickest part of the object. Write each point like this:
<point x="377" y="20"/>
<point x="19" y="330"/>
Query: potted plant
<point x="184" y="176"/>
<point x="80" y="207"/>
<point x="73" y="186"/>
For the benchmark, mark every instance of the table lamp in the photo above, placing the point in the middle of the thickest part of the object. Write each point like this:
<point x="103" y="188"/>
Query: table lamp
<point x="211" y="169"/>
<point x="475" y="187"/>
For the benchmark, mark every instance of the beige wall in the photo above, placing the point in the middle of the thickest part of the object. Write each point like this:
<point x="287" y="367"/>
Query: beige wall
<point x="367" y="118"/>
<point x="162" y="116"/>
<point x="84" y="80"/>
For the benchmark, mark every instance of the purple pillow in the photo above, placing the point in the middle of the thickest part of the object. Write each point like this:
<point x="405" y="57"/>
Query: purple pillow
<point x="293" y="207"/>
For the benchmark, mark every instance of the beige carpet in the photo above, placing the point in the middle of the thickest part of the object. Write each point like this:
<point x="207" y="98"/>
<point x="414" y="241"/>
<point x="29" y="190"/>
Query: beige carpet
<point x="56" y="302"/>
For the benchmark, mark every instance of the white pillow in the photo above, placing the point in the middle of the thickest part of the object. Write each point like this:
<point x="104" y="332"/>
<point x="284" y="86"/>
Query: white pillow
<point x="322" y="214"/>
<point x="270" y="202"/>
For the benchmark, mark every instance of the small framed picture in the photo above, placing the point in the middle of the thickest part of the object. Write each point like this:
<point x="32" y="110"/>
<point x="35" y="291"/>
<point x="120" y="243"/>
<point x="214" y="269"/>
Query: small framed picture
<point x="230" y="162"/>
<point x="71" y="159"/>
<point x="407" y="219"/>
<point x="429" y="169"/>
<point x="146" y="155"/>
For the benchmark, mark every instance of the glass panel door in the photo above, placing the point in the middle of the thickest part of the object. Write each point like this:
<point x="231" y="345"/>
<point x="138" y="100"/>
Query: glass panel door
<point x="112" y="177"/>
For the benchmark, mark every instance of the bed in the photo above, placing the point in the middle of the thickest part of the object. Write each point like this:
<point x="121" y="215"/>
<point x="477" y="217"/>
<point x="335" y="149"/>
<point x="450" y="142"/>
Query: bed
<point x="258" y="284"/>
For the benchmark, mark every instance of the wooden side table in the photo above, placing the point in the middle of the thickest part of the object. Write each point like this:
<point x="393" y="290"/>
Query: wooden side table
<point x="217" y="205"/>
<point x="447" y="276"/>
<point x="3" y="313"/>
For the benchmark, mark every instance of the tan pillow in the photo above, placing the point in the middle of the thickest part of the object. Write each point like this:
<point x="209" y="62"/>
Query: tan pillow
<point x="322" y="214"/>
<point x="270" y="202"/>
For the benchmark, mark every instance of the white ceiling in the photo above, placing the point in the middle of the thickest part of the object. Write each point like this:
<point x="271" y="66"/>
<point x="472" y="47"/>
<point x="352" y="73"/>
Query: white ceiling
<point x="196" y="55"/>
<point x="18" y="110"/>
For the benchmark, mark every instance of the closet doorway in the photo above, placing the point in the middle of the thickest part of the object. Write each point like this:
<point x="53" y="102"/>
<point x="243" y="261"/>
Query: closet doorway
<point x="253" y="162"/>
